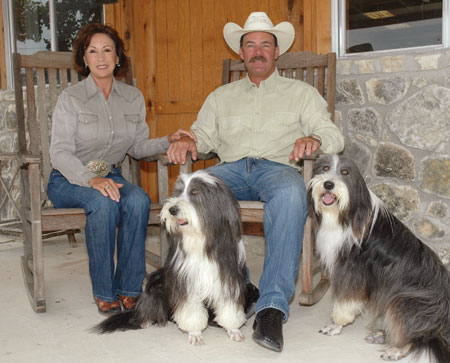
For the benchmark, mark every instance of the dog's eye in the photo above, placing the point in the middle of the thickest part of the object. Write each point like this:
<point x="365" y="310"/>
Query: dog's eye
<point x="345" y="172"/>
<point x="326" y="168"/>
<point x="194" y="191"/>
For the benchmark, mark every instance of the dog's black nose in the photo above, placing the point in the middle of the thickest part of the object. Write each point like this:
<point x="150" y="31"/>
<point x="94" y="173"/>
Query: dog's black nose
<point x="173" y="210"/>
<point x="328" y="185"/>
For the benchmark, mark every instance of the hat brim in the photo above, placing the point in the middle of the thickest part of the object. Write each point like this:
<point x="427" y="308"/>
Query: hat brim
<point x="284" y="32"/>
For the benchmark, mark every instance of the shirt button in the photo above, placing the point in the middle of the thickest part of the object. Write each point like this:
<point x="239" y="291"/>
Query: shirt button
<point x="112" y="132"/>
<point x="110" y="117"/>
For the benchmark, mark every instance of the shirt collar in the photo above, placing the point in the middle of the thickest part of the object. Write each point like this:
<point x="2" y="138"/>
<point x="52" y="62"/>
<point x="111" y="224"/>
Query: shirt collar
<point x="92" y="89"/>
<point x="268" y="84"/>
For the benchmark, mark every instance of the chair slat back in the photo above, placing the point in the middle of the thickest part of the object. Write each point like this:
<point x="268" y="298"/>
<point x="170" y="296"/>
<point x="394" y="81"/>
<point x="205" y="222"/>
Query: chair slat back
<point x="317" y="70"/>
<point x="45" y="78"/>
<point x="47" y="74"/>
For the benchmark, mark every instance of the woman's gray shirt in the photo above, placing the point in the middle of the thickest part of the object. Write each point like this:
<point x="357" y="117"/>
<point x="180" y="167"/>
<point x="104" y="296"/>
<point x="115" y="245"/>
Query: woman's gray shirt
<point x="86" y="126"/>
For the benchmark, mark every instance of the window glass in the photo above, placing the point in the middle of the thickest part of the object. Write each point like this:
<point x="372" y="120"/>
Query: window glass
<point x="71" y="16"/>
<point x="32" y="22"/>
<point x="373" y="25"/>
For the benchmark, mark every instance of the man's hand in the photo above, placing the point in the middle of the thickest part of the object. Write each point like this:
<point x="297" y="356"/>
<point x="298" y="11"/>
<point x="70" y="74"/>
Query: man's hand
<point x="178" y="149"/>
<point x="106" y="186"/>
<point x="179" y="134"/>
<point x="303" y="146"/>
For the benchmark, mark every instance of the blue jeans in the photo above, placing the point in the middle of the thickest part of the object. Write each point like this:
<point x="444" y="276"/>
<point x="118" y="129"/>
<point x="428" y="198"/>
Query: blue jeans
<point x="103" y="216"/>
<point x="282" y="189"/>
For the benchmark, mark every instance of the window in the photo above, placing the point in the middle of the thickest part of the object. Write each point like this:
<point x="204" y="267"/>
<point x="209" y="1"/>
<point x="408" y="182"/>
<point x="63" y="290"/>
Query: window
<point x="381" y="25"/>
<point x="34" y="25"/>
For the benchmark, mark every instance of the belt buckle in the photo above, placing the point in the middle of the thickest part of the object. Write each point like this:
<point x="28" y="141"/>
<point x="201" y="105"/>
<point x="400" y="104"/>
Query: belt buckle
<point x="99" y="167"/>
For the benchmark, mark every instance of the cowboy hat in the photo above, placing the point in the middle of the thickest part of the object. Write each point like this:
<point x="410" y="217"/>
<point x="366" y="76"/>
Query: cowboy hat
<point x="259" y="22"/>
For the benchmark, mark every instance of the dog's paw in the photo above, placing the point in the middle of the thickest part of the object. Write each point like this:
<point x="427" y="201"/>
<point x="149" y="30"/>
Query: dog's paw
<point x="331" y="330"/>
<point x="235" y="335"/>
<point x="396" y="353"/>
<point x="376" y="337"/>
<point x="146" y="324"/>
<point x="195" y="338"/>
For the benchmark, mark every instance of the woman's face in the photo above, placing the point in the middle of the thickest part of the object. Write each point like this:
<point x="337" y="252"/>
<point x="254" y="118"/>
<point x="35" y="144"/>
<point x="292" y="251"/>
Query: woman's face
<point x="101" y="57"/>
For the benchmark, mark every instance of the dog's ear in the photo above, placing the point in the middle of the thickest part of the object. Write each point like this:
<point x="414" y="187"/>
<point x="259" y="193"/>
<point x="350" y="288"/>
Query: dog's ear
<point x="360" y="208"/>
<point x="311" y="207"/>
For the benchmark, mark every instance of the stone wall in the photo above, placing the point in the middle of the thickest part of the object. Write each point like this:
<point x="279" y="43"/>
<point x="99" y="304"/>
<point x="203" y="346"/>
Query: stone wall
<point x="8" y="143"/>
<point x="395" y="112"/>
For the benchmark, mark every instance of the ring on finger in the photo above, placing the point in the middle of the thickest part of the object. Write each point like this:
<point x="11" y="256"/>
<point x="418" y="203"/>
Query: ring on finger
<point x="107" y="186"/>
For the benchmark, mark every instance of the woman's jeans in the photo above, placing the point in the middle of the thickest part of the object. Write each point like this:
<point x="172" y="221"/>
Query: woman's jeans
<point x="103" y="216"/>
<point x="282" y="189"/>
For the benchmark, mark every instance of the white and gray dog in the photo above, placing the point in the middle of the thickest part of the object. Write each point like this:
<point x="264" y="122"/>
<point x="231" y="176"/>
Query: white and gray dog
<point x="205" y="268"/>
<point x="377" y="265"/>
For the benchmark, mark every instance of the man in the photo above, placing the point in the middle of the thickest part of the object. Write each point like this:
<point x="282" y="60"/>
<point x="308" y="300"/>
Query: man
<point x="260" y="127"/>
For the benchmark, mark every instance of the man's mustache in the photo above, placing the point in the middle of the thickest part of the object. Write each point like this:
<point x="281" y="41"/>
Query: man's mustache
<point x="258" y="58"/>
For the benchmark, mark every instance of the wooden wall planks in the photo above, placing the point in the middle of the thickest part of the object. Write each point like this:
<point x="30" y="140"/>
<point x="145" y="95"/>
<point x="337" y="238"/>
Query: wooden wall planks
<point x="177" y="48"/>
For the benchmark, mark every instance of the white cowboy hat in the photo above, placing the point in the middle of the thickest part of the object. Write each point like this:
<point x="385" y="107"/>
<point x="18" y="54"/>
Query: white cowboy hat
<point x="259" y="22"/>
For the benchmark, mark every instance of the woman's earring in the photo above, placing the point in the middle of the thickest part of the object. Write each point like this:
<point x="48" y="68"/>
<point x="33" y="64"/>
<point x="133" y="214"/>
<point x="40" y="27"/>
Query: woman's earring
<point x="85" y="65"/>
<point x="118" y="65"/>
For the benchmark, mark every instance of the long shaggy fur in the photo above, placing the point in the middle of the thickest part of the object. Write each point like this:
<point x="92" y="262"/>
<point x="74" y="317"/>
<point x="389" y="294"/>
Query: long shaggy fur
<point x="204" y="267"/>
<point x="376" y="264"/>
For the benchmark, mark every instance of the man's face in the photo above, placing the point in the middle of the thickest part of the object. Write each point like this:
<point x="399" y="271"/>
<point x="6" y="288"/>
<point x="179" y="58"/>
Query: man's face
<point x="258" y="51"/>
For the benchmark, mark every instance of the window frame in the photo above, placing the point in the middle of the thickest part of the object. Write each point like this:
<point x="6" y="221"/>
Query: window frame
<point x="10" y="43"/>
<point x="338" y="21"/>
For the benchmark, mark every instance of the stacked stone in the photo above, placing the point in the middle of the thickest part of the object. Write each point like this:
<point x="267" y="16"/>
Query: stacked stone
<point x="8" y="144"/>
<point x="395" y="112"/>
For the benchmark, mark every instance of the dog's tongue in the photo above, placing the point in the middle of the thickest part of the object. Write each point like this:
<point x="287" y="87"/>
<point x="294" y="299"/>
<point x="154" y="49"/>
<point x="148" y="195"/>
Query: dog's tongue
<point x="182" y="222"/>
<point x="328" y="198"/>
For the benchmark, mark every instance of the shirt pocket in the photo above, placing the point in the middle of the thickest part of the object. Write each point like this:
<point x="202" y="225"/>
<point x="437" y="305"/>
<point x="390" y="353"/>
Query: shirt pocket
<point x="131" y="121"/>
<point x="285" y="125"/>
<point x="233" y="126"/>
<point x="87" y="126"/>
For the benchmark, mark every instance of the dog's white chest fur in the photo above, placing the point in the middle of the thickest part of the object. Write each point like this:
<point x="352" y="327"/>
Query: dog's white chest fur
<point x="330" y="238"/>
<point x="200" y="273"/>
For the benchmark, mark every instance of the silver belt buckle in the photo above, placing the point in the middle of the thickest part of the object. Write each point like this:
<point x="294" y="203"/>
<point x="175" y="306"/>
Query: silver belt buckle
<point x="99" y="167"/>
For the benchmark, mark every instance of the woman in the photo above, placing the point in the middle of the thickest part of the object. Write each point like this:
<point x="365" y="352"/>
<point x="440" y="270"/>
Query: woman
<point x="97" y="122"/>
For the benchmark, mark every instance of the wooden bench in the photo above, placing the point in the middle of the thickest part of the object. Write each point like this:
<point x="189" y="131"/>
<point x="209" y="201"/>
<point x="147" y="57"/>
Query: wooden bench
<point x="46" y="75"/>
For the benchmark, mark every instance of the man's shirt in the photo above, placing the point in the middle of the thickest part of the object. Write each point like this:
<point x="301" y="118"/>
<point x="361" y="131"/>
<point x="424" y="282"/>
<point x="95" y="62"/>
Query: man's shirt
<point x="240" y="120"/>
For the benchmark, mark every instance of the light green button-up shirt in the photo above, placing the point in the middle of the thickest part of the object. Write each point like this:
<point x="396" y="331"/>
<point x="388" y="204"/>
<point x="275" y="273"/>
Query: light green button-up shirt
<point x="86" y="126"/>
<point x="240" y="120"/>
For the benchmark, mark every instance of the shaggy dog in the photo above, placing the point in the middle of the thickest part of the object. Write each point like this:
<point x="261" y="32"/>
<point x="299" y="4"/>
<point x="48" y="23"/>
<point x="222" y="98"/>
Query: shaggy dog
<point x="204" y="270"/>
<point x="375" y="263"/>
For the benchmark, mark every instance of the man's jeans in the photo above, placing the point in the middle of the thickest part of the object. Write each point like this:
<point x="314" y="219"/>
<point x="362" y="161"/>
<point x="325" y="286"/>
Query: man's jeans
<point x="103" y="215"/>
<point x="282" y="189"/>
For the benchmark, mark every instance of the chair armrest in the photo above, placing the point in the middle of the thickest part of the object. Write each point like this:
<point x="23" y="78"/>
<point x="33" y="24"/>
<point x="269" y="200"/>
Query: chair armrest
<point x="21" y="157"/>
<point x="208" y="156"/>
<point x="158" y="157"/>
<point x="314" y="155"/>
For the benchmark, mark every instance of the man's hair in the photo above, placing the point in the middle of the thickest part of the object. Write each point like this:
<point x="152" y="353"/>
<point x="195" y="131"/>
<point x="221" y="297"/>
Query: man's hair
<point x="83" y="40"/>
<point x="241" y="41"/>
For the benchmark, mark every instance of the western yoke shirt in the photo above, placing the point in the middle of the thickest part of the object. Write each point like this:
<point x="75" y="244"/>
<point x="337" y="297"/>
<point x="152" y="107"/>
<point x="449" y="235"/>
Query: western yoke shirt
<point x="240" y="120"/>
<point x="86" y="126"/>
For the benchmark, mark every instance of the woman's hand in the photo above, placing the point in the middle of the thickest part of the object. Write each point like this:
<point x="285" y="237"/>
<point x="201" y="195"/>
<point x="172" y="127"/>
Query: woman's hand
<point x="106" y="186"/>
<point x="179" y="134"/>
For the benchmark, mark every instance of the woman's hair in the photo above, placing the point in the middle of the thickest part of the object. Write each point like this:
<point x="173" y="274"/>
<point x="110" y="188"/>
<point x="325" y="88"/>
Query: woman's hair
<point x="83" y="40"/>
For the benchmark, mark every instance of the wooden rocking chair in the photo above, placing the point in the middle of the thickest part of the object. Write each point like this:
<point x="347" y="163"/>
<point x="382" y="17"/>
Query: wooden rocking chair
<point x="46" y="75"/>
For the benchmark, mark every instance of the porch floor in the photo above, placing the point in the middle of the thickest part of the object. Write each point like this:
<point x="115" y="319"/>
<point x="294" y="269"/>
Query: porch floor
<point x="62" y="333"/>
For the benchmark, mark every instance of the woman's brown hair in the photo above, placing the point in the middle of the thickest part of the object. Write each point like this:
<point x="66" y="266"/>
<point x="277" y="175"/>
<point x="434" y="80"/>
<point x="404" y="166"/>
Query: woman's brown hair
<point x="83" y="40"/>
